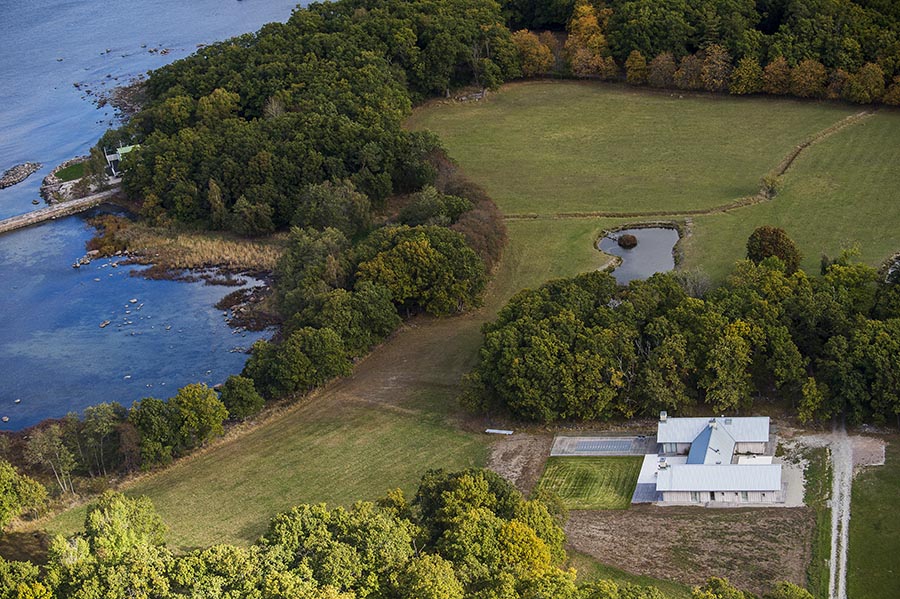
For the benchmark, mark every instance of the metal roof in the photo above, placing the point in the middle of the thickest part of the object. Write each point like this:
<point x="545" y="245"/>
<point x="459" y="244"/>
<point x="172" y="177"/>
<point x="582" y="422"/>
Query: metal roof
<point x="712" y="446"/>
<point x="731" y="477"/>
<point x="685" y="430"/>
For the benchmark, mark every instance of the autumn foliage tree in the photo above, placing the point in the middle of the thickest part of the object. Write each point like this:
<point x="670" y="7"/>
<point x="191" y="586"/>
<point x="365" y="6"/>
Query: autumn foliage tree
<point x="661" y="71"/>
<point x="586" y="45"/>
<point x="769" y="241"/>
<point x="808" y="79"/>
<point x="892" y="95"/>
<point x="716" y="70"/>
<point x="866" y="85"/>
<point x="636" y="68"/>
<point x="747" y="77"/>
<point x="689" y="75"/>
<point x="777" y="77"/>
<point x="535" y="56"/>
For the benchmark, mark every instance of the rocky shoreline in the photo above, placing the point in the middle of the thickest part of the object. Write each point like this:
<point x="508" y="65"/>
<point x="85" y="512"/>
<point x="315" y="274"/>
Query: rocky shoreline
<point x="18" y="173"/>
<point x="54" y="189"/>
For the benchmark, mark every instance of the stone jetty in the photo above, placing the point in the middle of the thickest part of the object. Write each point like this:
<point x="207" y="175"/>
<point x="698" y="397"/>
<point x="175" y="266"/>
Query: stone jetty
<point x="18" y="173"/>
<point x="57" y="210"/>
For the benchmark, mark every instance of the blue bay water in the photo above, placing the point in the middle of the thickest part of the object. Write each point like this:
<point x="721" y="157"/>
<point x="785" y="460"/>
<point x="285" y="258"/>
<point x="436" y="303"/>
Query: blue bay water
<point x="54" y="357"/>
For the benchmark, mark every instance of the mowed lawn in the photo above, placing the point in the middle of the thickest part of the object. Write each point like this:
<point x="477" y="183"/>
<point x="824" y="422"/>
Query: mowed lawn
<point x="840" y="192"/>
<point x="556" y="147"/>
<point x="592" y="483"/>
<point x="873" y="567"/>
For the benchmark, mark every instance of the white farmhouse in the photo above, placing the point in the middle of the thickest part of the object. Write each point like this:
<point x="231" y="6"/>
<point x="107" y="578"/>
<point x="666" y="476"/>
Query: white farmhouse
<point x="705" y="460"/>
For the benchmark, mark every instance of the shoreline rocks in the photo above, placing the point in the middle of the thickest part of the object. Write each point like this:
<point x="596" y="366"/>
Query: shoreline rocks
<point x="18" y="173"/>
<point x="54" y="189"/>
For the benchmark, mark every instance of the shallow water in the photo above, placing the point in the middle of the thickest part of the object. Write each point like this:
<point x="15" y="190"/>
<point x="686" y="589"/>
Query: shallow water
<point x="652" y="254"/>
<point x="53" y="354"/>
<point x="56" y="358"/>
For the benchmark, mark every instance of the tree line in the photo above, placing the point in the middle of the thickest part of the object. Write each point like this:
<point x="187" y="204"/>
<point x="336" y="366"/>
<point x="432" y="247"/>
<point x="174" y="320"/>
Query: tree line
<point x="809" y="49"/>
<point x="463" y="534"/>
<point x="584" y="348"/>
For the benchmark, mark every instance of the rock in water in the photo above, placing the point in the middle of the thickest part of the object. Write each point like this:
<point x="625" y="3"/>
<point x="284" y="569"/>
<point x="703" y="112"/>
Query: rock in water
<point x="18" y="173"/>
<point x="627" y="241"/>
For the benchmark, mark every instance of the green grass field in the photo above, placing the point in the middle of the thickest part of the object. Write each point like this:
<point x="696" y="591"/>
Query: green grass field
<point x="592" y="483"/>
<point x="839" y="192"/>
<point x="637" y="151"/>
<point x="337" y="453"/>
<point x="552" y="147"/>
<point x="71" y="172"/>
<point x="874" y="558"/>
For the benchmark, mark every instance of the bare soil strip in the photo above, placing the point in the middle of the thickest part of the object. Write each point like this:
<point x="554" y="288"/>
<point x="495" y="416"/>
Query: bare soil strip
<point x="752" y="547"/>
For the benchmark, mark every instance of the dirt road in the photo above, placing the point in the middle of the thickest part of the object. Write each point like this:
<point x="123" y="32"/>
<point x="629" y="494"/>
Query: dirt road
<point x="842" y="463"/>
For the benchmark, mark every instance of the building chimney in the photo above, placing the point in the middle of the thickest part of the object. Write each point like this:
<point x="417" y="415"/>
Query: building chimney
<point x="663" y="416"/>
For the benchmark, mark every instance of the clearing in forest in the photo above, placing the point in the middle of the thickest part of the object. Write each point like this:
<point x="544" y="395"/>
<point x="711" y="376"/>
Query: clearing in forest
<point x="592" y="483"/>
<point x="565" y="153"/>
<point x="561" y="147"/>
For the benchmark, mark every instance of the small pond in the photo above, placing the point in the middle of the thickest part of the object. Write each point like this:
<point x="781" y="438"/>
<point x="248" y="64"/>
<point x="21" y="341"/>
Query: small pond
<point x="652" y="254"/>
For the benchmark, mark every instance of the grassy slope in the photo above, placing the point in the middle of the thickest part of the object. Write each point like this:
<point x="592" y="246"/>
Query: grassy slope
<point x="550" y="147"/>
<point x="874" y="564"/>
<point x="838" y="192"/>
<point x="379" y="429"/>
<point x="592" y="483"/>
<point x="817" y="495"/>
<point x="71" y="172"/>
<point x="590" y="569"/>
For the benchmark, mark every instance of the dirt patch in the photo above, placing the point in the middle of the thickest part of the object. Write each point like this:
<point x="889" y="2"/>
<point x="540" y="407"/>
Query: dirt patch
<point x="520" y="459"/>
<point x="751" y="547"/>
<point x="867" y="451"/>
